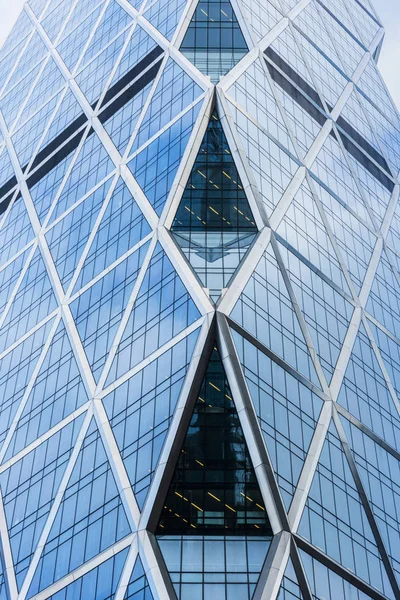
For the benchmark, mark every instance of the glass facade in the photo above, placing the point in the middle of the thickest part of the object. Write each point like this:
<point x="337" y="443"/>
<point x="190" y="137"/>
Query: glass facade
<point x="199" y="303"/>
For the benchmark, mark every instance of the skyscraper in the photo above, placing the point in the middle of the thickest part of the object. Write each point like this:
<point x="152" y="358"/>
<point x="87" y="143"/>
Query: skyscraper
<point x="199" y="303"/>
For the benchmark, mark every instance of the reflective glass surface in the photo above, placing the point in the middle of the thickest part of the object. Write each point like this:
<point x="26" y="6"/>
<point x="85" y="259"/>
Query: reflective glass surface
<point x="214" y="224"/>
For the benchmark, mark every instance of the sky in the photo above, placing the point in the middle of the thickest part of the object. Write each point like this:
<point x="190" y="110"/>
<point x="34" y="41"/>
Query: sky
<point x="388" y="11"/>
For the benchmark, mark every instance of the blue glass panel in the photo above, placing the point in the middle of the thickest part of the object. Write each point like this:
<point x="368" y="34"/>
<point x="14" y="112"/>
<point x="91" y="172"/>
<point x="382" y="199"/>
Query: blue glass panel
<point x="380" y="474"/>
<point x="155" y="167"/>
<point x="114" y="20"/>
<point x="16" y="369"/>
<point x="272" y="167"/>
<point x="365" y="395"/>
<point x="71" y="46"/>
<point x="26" y="139"/>
<point x="4" y="595"/>
<point x="29" y="488"/>
<point x="165" y="16"/>
<point x="175" y="91"/>
<point x="138" y="588"/>
<point x="68" y="111"/>
<point x="327" y="311"/>
<point x="6" y="168"/>
<point x="390" y="352"/>
<point x="98" y="311"/>
<point x="90" y="517"/>
<point x="328" y="585"/>
<point x="384" y="298"/>
<point x="253" y="92"/>
<point x="214" y="42"/>
<point x="92" y="79"/>
<point x="45" y="190"/>
<point x="100" y="583"/>
<point x="10" y="104"/>
<point x="9" y="277"/>
<point x="91" y="166"/>
<point x="33" y="302"/>
<point x="335" y="521"/>
<point x="121" y="228"/>
<point x="302" y="227"/>
<point x="141" y="410"/>
<point x="67" y="239"/>
<point x="140" y="44"/>
<point x="262" y="16"/>
<point x="162" y="310"/>
<point x="265" y="310"/>
<point x="57" y="392"/>
<point x="122" y="124"/>
<point x="203" y="567"/>
<point x="355" y="241"/>
<point x="287" y="412"/>
<point x="49" y="82"/>
<point x="290" y="589"/>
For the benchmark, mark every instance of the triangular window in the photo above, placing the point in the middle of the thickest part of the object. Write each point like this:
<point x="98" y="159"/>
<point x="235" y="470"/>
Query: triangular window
<point x="214" y="490"/>
<point x="214" y="42"/>
<point x="214" y="225"/>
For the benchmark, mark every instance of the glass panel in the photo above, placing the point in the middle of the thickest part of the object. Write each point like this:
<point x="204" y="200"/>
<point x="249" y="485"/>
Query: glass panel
<point x="214" y="225"/>
<point x="214" y="488"/>
<point x="214" y="42"/>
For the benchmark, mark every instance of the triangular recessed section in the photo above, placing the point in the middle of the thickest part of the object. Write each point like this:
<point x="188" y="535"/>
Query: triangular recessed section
<point x="97" y="522"/>
<point x="265" y="310"/>
<point x="29" y="488"/>
<point x="57" y="392"/>
<point x="287" y="412"/>
<point x="290" y="588"/>
<point x="214" y="225"/>
<point x="140" y="412"/>
<point x="214" y="42"/>
<point x="163" y="308"/>
<point x="214" y="504"/>
<point x="138" y="587"/>
<point x="334" y="518"/>
<point x="214" y="489"/>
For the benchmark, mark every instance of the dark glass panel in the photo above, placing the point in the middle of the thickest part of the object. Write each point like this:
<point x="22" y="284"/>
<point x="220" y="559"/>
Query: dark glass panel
<point x="214" y="489"/>
<point x="214" y="225"/>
